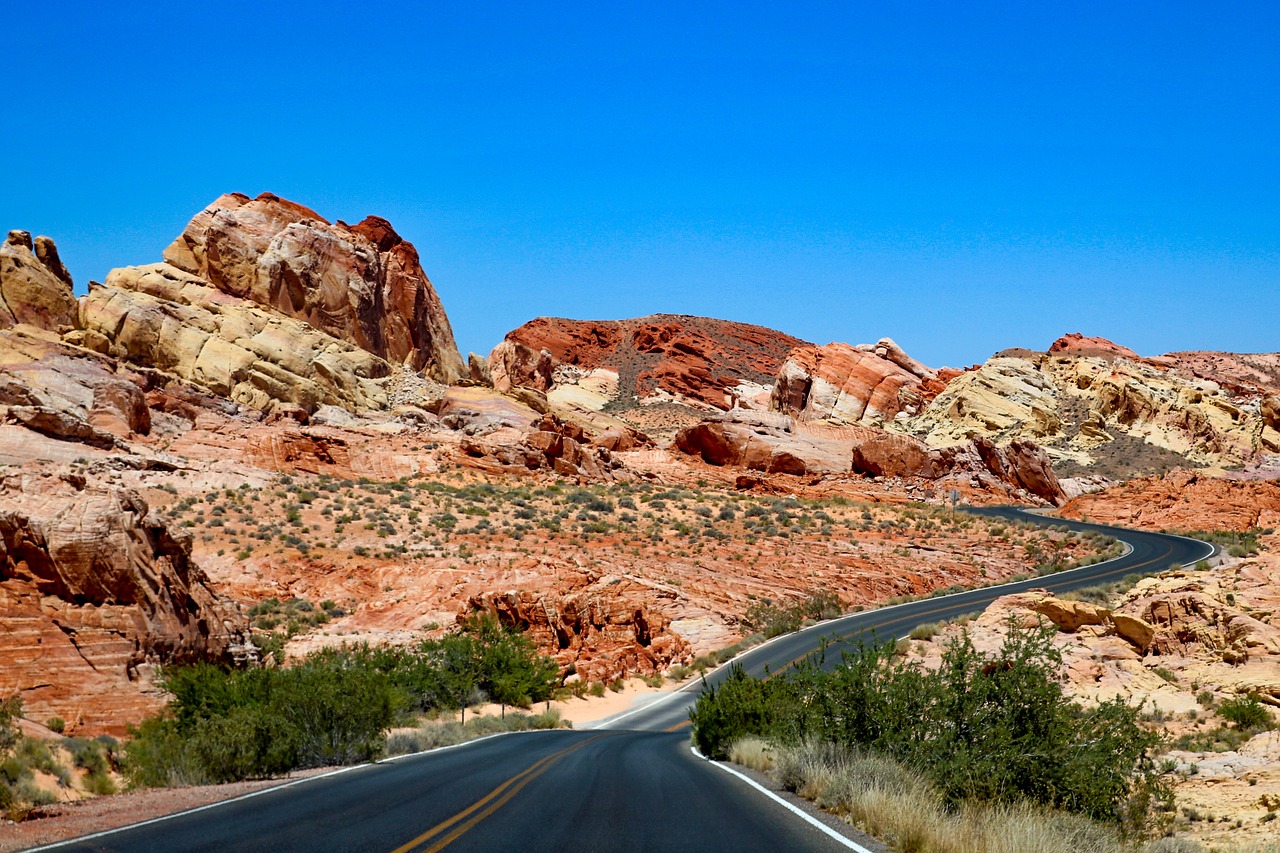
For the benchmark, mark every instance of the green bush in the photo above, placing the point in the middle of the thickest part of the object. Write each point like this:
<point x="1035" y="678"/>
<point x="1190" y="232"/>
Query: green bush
<point x="772" y="619"/>
<point x="985" y="728"/>
<point x="333" y="708"/>
<point x="1246" y="712"/>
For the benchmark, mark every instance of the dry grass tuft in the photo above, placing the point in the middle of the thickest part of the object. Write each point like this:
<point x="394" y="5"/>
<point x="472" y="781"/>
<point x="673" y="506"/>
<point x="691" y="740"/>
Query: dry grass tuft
<point x="752" y="752"/>
<point x="888" y="801"/>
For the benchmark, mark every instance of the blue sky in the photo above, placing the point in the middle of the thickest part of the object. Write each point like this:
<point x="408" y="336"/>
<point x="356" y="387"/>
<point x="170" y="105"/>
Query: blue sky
<point x="960" y="177"/>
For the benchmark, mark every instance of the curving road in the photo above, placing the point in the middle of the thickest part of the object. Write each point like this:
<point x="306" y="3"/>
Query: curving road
<point x="630" y="784"/>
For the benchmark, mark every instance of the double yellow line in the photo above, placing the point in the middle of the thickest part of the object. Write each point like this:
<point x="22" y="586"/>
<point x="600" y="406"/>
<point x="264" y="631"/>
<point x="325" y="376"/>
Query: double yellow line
<point x="488" y="804"/>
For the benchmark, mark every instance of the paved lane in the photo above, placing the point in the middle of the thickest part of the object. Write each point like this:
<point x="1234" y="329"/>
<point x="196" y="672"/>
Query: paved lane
<point x="632" y="784"/>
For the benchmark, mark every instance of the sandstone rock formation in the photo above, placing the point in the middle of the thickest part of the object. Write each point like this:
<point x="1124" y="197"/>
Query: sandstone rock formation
<point x="774" y="443"/>
<point x="360" y="283"/>
<point x="1098" y="408"/>
<point x="850" y="385"/>
<point x="35" y="288"/>
<point x="265" y="303"/>
<point x="95" y="592"/>
<point x="161" y="318"/>
<point x="1077" y="344"/>
<point x="694" y="361"/>
<point x="607" y="629"/>
<point x="1182" y="500"/>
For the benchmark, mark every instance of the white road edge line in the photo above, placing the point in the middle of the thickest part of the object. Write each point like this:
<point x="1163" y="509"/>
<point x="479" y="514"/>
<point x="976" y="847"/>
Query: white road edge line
<point x="253" y="794"/>
<point x="794" y="809"/>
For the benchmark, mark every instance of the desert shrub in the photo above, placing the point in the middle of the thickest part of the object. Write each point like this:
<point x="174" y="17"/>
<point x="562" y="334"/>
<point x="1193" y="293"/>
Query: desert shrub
<point x="981" y="727"/>
<point x="926" y="631"/>
<point x="1246" y="712"/>
<point x="772" y="619"/>
<point x="333" y="708"/>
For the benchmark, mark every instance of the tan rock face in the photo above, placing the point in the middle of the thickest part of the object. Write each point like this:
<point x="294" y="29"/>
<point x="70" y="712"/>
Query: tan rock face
<point x="162" y="318"/>
<point x="513" y="364"/>
<point x="360" y="283"/>
<point x="94" y="592"/>
<point x="35" y="287"/>
<point x="1099" y="406"/>
<point x="1271" y="412"/>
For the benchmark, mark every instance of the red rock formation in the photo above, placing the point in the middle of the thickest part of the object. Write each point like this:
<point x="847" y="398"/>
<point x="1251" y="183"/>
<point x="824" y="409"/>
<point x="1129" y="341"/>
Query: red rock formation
<point x="1182" y="500"/>
<point x="1021" y="463"/>
<point x="776" y="444"/>
<point x="362" y="283"/>
<point x="35" y="288"/>
<point x="95" y="591"/>
<point x="693" y="358"/>
<point x="1077" y="344"/>
<point x="852" y="385"/>
<point x="555" y="445"/>
<point x="606" y="629"/>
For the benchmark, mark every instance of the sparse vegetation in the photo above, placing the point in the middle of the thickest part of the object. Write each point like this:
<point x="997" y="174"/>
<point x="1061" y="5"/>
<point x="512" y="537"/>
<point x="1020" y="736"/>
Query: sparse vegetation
<point x="981" y="729"/>
<point x="332" y="708"/>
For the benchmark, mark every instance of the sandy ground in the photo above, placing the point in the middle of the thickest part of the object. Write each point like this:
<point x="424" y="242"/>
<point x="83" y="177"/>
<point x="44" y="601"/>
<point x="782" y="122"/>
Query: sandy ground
<point x="82" y="817"/>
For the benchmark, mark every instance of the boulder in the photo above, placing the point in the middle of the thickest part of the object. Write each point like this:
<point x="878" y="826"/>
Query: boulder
<point x="35" y="287"/>
<point x="889" y="455"/>
<point x="1271" y="412"/>
<point x="513" y="364"/>
<point x="360" y="283"/>
<point x="479" y="370"/>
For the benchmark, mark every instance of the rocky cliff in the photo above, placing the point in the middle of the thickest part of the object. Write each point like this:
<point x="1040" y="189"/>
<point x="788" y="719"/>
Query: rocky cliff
<point x="95" y="592"/>
<point x="1099" y="408"/>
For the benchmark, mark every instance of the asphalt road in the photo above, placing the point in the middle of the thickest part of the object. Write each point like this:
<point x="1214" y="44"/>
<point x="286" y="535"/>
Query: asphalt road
<point x="631" y="784"/>
<point x="1151" y="552"/>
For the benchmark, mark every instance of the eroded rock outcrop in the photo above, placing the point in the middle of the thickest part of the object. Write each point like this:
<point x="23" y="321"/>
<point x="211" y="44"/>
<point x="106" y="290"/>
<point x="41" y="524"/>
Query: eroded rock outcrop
<point x="606" y="629"/>
<point x="554" y="445"/>
<point x="845" y="384"/>
<point x="159" y="317"/>
<point x="95" y="592"/>
<point x="35" y="287"/>
<point x="777" y="444"/>
<point x="1099" y="407"/>
<point x="695" y="361"/>
<point x="360" y="283"/>
<point x="1182" y="500"/>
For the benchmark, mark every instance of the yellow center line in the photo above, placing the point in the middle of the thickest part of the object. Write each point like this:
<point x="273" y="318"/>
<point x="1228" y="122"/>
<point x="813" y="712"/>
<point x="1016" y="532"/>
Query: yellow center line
<point x="519" y="781"/>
